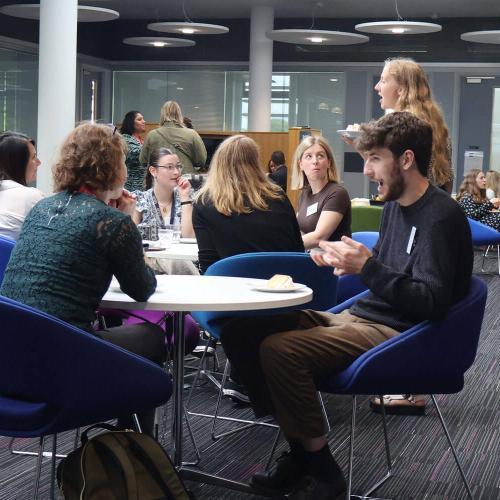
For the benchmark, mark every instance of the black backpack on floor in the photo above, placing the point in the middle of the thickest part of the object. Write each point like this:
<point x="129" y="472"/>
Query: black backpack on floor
<point x="119" y="465"/>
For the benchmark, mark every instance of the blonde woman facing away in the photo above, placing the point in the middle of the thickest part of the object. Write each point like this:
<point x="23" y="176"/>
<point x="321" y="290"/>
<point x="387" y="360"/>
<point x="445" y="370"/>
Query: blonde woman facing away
<point x="324" y="210"/>
<point x="238" y="210"/>
<point x="174" y="135"/>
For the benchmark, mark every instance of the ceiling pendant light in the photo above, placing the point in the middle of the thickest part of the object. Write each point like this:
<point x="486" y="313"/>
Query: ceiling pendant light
<point x="491" y="36"/>
<point x="86" y="13"/>
<point x="188" y="27"/>
<point x="158" y="42"/>
<point x="313" y="36"/>
<point x="398" y="27"/>
<point x="316" y="37"/>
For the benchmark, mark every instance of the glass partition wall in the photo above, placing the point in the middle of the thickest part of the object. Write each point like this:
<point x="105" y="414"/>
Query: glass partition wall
<point x="218" y="100"/>
<point x="18" y="91"/>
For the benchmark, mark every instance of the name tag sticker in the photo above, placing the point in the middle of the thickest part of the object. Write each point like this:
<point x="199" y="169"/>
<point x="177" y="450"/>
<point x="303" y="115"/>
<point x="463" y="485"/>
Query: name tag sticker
<point x="312" y="209"/>
<point x="411" y="240"/>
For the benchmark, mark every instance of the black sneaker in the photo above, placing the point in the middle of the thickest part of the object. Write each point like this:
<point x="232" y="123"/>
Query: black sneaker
<point x="320" y="490"/>
<point x="236" y="392"/>
<point x="285" y="477"/>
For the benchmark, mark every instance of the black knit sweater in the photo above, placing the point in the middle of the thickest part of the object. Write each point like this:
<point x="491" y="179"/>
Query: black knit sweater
<point x="406" y="288"/>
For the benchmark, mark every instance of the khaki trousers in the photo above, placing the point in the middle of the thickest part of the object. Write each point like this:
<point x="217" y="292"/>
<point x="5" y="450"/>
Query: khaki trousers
<point x="279" y="357"/>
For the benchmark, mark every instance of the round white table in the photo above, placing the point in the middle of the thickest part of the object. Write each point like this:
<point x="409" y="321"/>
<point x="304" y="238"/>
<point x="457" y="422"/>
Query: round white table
<point x="176" y="251"/>
<point x="184" y="293"/>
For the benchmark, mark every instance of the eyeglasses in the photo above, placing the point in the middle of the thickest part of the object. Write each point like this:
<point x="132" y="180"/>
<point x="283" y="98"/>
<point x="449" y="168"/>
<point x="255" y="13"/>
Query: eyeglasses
<point x="171" y="168"/>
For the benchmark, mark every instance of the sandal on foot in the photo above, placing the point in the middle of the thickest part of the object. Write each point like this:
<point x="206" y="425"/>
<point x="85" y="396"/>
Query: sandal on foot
<point x="400" y="404"/>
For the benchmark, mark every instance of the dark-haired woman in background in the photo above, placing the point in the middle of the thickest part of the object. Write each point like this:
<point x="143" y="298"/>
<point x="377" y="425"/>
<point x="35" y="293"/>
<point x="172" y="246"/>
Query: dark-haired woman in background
<point x="133" y="126"/>
<point x="18" y="166"/>
<point x="472" y="198"/>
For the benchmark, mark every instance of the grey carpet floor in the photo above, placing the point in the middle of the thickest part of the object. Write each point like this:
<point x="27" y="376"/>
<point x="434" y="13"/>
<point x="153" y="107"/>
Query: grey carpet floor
<point x="424" y="467"/>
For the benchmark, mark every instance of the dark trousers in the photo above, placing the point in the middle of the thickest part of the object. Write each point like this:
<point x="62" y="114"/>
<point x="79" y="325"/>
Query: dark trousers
<point x="144" y="339"/>
<point x="279" y="357"/>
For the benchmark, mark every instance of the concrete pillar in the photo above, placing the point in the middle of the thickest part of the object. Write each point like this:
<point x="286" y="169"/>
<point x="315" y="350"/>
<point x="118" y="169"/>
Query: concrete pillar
<point x="261" y="69"/>
<point x="56" y="82"/>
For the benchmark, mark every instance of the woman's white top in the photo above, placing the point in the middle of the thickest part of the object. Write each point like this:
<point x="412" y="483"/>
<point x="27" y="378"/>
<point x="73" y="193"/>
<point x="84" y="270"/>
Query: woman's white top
<point x="16" y="201"/>
<point x="490" y="193"/>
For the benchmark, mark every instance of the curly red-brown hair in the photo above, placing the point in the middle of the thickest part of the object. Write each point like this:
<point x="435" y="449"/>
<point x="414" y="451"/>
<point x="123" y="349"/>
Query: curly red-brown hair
<point x="92" y="155"/>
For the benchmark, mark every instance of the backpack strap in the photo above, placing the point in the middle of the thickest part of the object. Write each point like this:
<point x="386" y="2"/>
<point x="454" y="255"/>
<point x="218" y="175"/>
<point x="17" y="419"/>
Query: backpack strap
<point x="110" y="443"/>
<point x="173" y="491"/>
<point x="102" y="425"/>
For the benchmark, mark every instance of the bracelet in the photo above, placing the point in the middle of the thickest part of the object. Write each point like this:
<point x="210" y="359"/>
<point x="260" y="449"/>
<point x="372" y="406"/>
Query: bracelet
<point x="189" y="202"/>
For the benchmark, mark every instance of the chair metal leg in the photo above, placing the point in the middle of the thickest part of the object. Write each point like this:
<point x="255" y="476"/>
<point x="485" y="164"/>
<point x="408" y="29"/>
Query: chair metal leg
<point x="351" y="448"/>
<point x="193" y="441"/>
<point x="77" y="438"/>
<point x="137" y="424"/>
<point x="448" y="437"/>
<point x="38" y="467"/>
<point x="53" y="468"/>
<point x="328" y="427"/>
<point x="31" y="453"/>
<point x="379" y="483"/>
<point x="273" y="449"/>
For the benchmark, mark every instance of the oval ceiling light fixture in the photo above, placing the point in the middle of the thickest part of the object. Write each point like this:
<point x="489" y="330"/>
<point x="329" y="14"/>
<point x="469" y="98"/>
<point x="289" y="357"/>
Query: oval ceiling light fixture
<point x="316" y="37"/>
<point x="188" y="28"/>
<point x="398" y="27"/>
<point x="159" y="42"/>
<point x="492" y="36"/>
<point x="86" y="13"/>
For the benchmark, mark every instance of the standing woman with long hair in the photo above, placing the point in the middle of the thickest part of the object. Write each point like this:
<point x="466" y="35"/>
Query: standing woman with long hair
<point x="404" y="86"/>
<point x="472" y="198"/>
<point x="238" y="210"/>
<point x="324" y="209"/>
<point x="174" y="135"/>
<point x="18" y="167"/>
<point x="133" y="125"/>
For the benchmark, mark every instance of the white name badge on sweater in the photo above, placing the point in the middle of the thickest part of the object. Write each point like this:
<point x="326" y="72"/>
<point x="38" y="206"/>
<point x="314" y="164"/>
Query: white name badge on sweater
<point x="411" y="240"/>
<point x="312" y="209"/>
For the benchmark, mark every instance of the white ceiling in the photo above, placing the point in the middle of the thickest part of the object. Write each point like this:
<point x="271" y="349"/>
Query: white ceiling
<point x="165" y="10"/>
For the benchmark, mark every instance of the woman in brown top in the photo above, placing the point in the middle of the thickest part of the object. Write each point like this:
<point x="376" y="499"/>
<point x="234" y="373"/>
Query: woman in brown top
<point x="324" y="211"/>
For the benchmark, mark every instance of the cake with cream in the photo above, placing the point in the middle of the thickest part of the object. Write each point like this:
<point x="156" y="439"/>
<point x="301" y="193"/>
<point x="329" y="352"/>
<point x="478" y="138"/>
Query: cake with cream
<point x="280" y="281"/>
<point x="355" y="127"/>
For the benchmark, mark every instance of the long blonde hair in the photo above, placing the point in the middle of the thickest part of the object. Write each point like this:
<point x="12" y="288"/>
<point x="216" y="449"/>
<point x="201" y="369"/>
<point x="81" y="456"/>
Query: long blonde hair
<point x="416" y="98"/>
<point x="171" y="112"/>
<point x="299" y="179"/>
<point x="493" y="182"/>
<point x="236" y="182"/>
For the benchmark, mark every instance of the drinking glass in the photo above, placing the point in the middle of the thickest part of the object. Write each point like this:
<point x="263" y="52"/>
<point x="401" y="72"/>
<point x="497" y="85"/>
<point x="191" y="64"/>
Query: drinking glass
<point x="165" y="236"/>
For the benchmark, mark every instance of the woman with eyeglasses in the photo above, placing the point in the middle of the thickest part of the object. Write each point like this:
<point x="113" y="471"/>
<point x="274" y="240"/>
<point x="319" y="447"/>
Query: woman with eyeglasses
<point x="167" y="199"/>
<point x="18" y="166"/>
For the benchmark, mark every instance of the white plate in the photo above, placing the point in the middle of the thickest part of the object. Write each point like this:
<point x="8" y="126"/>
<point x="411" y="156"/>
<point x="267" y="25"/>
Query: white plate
<point x="187" y="240"/>
<point x="350" y="133"/>
<point x="259" y="288"/>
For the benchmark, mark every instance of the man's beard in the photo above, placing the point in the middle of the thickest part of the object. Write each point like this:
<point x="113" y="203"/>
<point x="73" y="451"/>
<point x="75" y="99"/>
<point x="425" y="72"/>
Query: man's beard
<point x="396" y="185"/>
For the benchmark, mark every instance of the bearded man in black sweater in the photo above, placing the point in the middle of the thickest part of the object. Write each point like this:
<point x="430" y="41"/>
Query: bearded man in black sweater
<point x="421" y="265"/>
